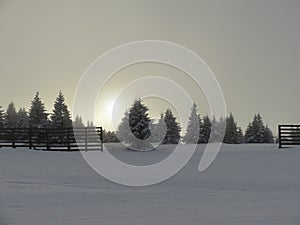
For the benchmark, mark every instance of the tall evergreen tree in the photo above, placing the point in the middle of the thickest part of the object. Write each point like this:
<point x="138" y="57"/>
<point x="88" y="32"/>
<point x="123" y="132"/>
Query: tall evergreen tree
<point x="139" y="123"/>
<point x="159" y="130"/>
<point x="240" y="136"/>
<point x="233" y="132"/>
<point x="22" y="118"/>
<point x="38" y="118"/>
<point x="123" y="131"/>
<point x="249" y="134"/>
<point x="268" y="135"/>
<point x="217" y="129"/>
<point x="257" y="132"/>
<point x="61" y="117"/>
<point x="10" y="117"/>
<point x="22" y="122"/>
<point x="205" y="129"/>
<point x="173" y="129"/>
<point x="90" y="123"/>
<point x="192" y="135"/>
<point x="78" y="122"/>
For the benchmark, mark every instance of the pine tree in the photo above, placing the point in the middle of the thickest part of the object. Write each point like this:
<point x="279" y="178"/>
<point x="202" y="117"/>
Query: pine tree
<point x="268" y="135"/>
<point x="217" y="127"/>
<point x="38" y="118"/>
<point x="255" y="131"/>
<point x="22" y="122"/>
<point x="78" y="122"/>
<point x="173" y="129"/>
<point x="159" y="130"/>
<point x="22" y="118"/>
<point x="233" y="132"/>
<point x="240" y="136"/>
<point x="192" y="135"/>
<point x="10" y="117"/>
<point x="249" y="134"/>
<point x="259" y="129"/>
<point x="139" y="123"/>
<point x="205" y="130"/>
<point x="123" y="131"/>
<point x="221" y="127"/>
<point x="90" y="123"/>
<point x="61" y="117"/>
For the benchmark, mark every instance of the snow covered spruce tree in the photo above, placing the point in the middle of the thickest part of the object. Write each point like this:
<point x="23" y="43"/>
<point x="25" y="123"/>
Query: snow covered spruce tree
<point x="78" y="122"/>
<point x="10" y="116"/>
<point x="240" y="135"/>
<point x="268" y="135"/>
<point x="159" y="130"/>
<point x="173" y="129"/>
<point x="139" y="124"/>
<point x="22" y="122"/>
<point x="22" y="118"/>
<point x="38" y="118"/>
<point x="61" y="117"/>
<point x="192" y="135"/>
<point x="257" y="132"/>
<point x="205" y="130"/>
<point x="217" y="129"/>
<point x="233" y="133"/>
<point x="90" y="123"/>
<point x="123" y="132"/>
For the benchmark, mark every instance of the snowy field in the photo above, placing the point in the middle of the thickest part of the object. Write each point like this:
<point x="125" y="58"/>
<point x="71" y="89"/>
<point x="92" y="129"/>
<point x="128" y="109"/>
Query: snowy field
<point x="246" y="185"/>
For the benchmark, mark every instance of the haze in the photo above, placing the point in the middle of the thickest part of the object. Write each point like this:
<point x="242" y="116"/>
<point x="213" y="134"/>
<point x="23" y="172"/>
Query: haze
<point x="251" y="46"/>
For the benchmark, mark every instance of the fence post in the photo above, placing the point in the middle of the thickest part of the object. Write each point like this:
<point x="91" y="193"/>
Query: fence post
<point x="47" y="139"/>
<point x="279" y="136"/>
<point x="68" y="138"/>
<point x="86" y="139"/>
<point x="101" y="138"/>
<point x="13" y="136"/>
<point x="30" y="138"/>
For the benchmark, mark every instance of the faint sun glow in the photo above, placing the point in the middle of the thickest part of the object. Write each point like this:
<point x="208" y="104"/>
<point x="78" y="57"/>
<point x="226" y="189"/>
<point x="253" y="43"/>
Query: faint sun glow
<point x="109" y="108"/>
<point x="103" y="114"/>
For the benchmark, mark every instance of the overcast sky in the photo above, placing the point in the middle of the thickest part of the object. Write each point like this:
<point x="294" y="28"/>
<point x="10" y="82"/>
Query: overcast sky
<point x="253" y="47"/>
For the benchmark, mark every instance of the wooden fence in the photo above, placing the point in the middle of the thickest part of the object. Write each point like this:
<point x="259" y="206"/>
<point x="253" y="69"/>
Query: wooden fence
<point x="288" y="135"/>
<point x="66" y="139"/>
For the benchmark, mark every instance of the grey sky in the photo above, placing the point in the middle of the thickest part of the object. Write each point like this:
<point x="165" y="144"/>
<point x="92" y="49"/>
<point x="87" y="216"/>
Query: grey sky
<point x="251" y="46"/>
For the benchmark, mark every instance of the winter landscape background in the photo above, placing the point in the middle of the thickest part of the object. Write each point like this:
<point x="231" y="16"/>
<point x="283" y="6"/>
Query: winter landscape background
<point x="253" y="49"/>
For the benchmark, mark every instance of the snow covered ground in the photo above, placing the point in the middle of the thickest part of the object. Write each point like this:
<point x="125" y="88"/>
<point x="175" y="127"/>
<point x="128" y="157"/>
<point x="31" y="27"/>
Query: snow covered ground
<point x="246" y="185"/>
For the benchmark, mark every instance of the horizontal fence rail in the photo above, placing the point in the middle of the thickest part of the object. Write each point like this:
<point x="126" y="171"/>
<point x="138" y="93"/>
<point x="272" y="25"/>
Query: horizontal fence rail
<point x="288" y="135"/>
<point x="59" y="139"/>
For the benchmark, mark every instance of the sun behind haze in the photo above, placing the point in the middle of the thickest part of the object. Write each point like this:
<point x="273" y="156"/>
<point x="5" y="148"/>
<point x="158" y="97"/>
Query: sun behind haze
<point x="251" y="46"/>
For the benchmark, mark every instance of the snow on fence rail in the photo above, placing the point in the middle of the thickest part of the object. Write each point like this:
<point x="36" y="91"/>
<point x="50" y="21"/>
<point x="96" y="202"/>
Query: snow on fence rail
<point x="63" y="139"/>
<point x="288" y="135"/>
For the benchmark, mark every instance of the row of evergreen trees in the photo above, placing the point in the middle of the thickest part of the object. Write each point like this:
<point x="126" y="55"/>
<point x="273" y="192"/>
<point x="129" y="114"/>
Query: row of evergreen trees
<point x="137" y="122"/>
<point x="37" y="117"/>
<point x="166" y="130"/>
<point x="256" y="131"/>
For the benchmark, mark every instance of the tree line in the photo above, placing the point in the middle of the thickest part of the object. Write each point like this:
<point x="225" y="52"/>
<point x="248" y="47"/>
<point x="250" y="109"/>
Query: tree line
<point x="37" y="116"/>
<point x="167" y="130"/>
<point x="136" y="123"/>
